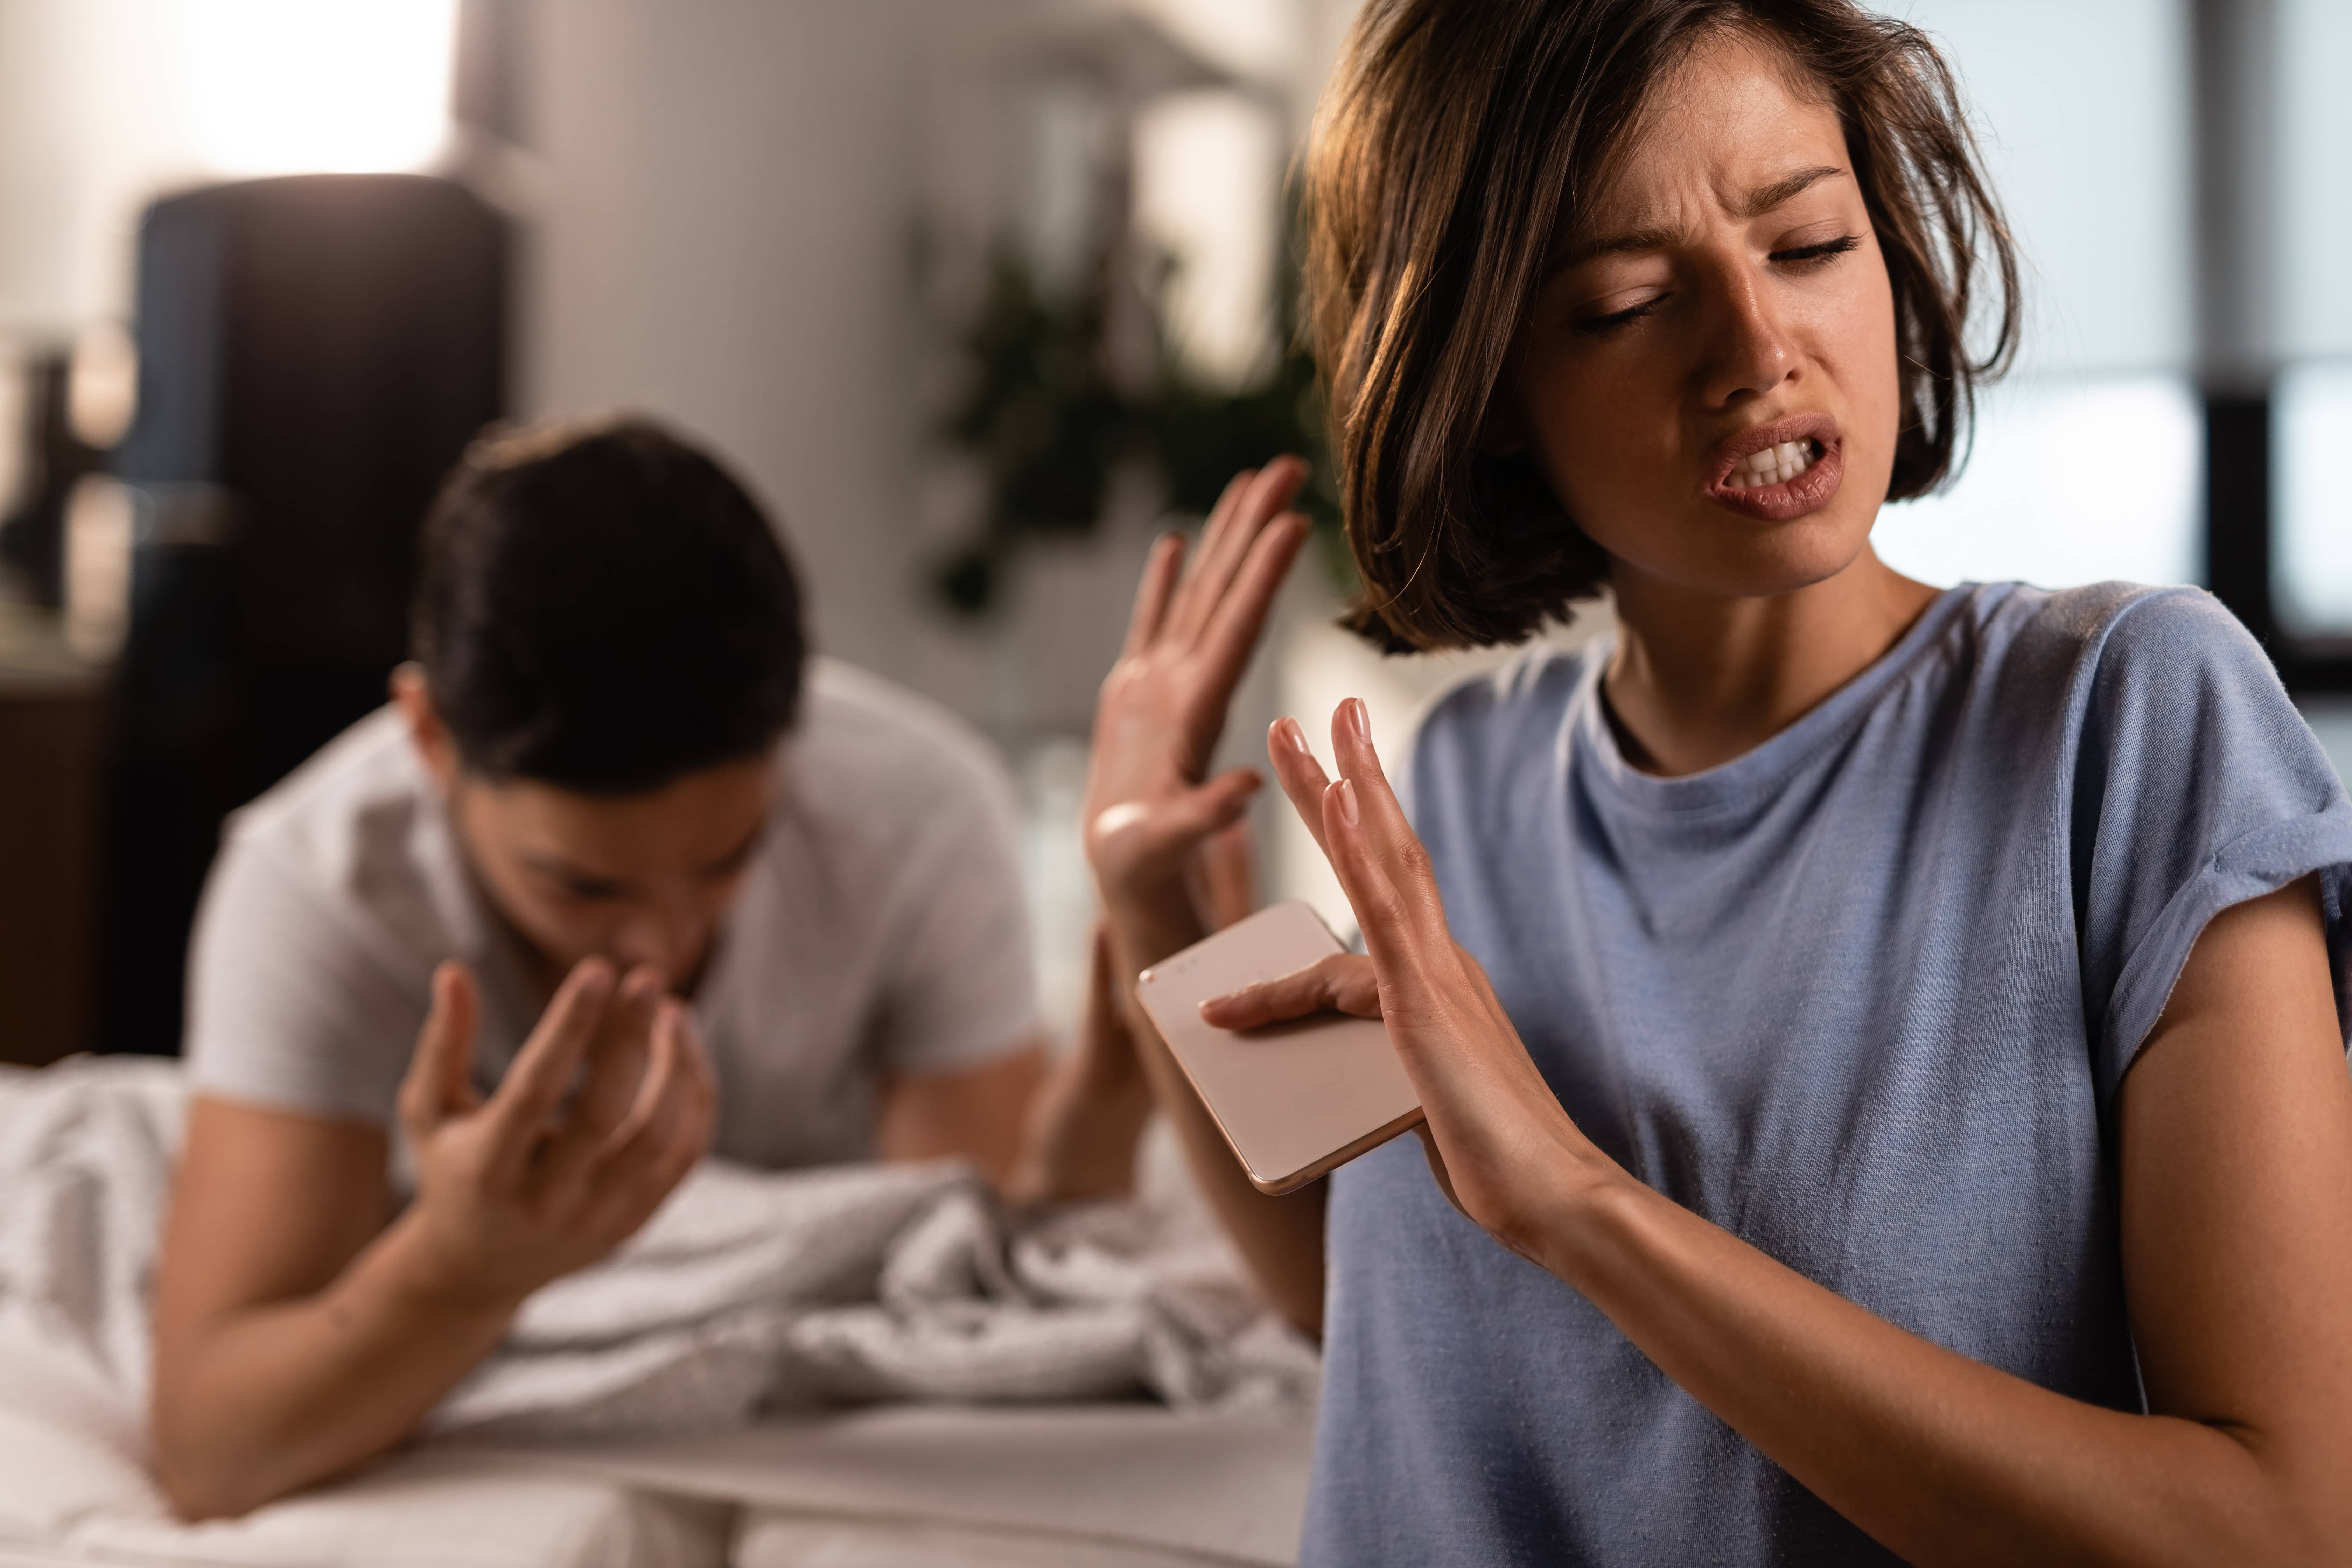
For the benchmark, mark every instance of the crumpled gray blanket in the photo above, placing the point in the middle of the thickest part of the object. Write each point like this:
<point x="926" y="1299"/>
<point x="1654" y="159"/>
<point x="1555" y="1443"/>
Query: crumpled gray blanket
<point x="748" y="1292"/>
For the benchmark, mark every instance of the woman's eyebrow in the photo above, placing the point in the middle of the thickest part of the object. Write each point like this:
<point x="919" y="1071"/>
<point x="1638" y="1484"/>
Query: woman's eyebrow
<point x="1759" y="201"/>
<point x="1632" y="240"/>
<point x="1787" y="188"/>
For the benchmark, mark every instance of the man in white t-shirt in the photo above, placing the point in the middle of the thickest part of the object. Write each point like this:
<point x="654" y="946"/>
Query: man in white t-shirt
<point x="619" y="878"/>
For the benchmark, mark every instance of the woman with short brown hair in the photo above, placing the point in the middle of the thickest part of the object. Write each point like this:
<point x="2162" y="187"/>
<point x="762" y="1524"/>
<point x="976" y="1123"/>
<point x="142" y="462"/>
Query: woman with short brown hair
<point x="1442" y="190"/>
<point x="1891" y="1032"/>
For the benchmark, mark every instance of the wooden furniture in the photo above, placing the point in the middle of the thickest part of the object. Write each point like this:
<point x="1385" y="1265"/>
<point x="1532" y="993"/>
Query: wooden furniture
<point x="51" y="732"/>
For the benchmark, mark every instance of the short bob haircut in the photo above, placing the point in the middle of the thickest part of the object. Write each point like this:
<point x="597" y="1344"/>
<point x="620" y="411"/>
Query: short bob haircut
<point x="1458" y="138"/>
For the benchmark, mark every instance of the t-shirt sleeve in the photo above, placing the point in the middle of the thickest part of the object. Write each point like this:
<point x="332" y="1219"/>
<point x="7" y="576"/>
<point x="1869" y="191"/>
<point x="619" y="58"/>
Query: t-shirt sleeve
<point x="2199" y="786"/>
<point x="962" y="976"/>
<point x="288" y="1007"/>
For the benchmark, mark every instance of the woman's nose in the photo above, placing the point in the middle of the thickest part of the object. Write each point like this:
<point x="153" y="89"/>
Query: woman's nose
<point x="1750" y="353"/>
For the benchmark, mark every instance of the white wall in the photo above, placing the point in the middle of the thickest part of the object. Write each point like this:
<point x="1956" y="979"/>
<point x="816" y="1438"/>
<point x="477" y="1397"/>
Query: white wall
<point x="722" y="236"/>
<point x="2313" y="128"/>
<point x="2083" y="108"/>
<point x="724" y="241"/>
<point x="2089" y="460"/>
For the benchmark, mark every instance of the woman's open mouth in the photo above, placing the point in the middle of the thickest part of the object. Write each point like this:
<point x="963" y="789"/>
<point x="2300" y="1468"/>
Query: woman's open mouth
<point x="1781" y="471"/>
<point x="1774" y="465"/>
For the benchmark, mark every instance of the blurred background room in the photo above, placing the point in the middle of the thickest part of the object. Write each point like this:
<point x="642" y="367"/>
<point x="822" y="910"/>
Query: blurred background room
<point x="977" y="295"/>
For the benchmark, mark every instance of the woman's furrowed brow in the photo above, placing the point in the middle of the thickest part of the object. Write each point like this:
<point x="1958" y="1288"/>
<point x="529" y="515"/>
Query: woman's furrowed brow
<point x="1787" y="188"/>
<point x="1658" y="237"/>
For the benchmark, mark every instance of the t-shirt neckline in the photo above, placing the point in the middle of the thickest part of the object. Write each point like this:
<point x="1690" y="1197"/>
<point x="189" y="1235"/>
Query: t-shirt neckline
<point x="1754" y="772"/>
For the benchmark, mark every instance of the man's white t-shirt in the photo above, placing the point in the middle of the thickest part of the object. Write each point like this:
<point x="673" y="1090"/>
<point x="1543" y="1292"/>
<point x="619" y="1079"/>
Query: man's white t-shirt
<point x="881" y="929"/>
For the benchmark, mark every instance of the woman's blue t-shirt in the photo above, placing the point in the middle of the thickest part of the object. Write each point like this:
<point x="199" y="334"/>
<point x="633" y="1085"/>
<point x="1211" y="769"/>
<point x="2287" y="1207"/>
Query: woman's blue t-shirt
<point x="1861" y="996"/>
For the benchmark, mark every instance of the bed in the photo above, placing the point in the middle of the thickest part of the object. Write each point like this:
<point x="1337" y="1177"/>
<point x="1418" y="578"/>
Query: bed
<point x="1096" y="1486"/>
<point x="85" y="1154"/>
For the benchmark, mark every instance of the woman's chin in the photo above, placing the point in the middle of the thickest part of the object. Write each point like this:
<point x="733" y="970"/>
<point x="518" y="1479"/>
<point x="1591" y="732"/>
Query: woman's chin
<point x="1739" y="558"/>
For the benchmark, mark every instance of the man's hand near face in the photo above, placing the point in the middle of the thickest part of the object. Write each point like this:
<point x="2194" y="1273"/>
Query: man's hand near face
<point x="530" y="1185"/>
<point x="297" y="1334"/>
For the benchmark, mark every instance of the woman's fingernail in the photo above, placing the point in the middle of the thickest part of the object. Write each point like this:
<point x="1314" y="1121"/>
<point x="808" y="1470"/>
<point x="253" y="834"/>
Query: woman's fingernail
<point x="1292" y="734"/>
<point x="1348" y="803"/>
<point x="1358" y="719"/>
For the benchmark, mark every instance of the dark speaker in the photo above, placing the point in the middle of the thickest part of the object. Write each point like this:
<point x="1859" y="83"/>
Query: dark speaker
<point x="315" y="352"/>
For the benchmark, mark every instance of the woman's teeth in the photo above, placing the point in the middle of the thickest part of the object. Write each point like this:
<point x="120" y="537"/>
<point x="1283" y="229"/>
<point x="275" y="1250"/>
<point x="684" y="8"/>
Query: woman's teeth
<point x="1772" y="466"/>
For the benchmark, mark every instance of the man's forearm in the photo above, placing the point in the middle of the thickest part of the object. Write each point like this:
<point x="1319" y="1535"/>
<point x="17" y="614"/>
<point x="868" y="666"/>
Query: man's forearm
<point x="271" y="1399"/>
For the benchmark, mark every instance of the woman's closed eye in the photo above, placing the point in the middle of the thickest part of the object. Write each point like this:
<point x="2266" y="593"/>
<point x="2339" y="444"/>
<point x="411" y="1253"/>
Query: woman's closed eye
<point x="1801" y="258"/>
<point x="1601" y="326"/>
<point x="1812" y="256"/>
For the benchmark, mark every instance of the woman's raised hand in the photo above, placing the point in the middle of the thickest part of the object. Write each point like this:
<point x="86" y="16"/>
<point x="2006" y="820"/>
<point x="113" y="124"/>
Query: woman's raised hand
<point x="1498" y="1141"/>
<point x="1148" y="803"/>
<point x="605" y="1109"/>
<point x="1153" y="825"/>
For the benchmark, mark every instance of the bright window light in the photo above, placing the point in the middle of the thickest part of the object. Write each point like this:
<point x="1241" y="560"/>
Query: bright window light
<point x="2083" y="108"/>
<point x="2331" y="719"/>
<point x="2313" y="319"/>
<point x="1206" y="167"/>
<point x="2311" y="571"/>
<point x="318" y="85"/>
<point x="2070" y="482"/>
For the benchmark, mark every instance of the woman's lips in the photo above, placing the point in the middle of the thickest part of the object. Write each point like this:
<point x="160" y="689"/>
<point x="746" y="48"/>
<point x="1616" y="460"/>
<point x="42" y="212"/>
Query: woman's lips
<point x="1780" y="501"/>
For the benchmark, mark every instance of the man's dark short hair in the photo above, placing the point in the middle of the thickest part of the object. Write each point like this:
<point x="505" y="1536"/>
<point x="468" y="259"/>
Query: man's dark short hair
<point x="1458" y="139"/>
<point x="604" y="608"/>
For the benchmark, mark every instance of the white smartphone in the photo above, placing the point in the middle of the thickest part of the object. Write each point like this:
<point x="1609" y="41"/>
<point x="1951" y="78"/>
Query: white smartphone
<point x="1297" y="1099"/>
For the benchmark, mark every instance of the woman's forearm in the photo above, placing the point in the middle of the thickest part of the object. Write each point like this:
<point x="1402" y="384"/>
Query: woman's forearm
<point x="1941" y="1458"/>
<point x="266" y="1400"/>
<point x="1079" y="1135"/>
<point x="1281" y="1239"/>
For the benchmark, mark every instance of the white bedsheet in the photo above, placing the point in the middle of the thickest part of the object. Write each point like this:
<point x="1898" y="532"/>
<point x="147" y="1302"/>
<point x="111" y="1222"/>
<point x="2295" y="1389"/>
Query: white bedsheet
<point x="750" y="1289"/>
<point x="1217" y="1486"/>
<point x="74" y="1489"/>
<point x="1129" y="1485"/>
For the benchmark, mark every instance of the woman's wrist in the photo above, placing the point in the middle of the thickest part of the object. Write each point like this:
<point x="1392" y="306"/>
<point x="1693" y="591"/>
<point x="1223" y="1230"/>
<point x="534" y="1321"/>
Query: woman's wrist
<point x="1142" y="892"/>
<point x="1590" y="1209"/>
<point x="1102" y="1070"/>
<point x="1146" y="927"/>
<point x="1082" y="1146"/>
